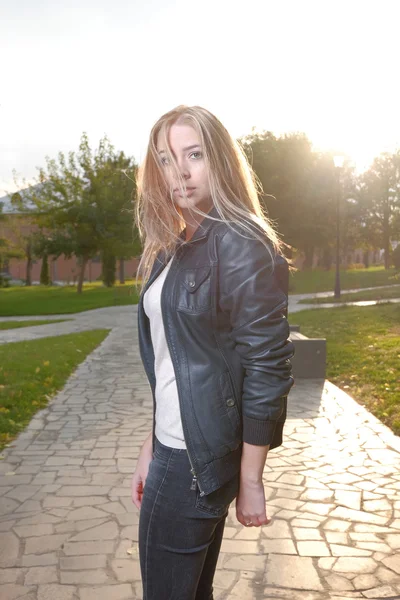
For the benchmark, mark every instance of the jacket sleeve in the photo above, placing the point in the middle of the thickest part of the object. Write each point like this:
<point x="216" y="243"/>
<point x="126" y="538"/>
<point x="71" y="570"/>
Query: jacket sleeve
<point x="251" y="292"/>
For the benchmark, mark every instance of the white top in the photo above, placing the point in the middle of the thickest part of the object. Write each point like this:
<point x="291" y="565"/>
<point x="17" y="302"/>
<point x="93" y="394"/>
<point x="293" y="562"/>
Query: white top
<point x="168" y="416"/>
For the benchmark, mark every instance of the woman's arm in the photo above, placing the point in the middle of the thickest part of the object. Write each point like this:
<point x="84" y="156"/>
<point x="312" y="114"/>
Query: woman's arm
<point x="142" y="468"/>
<point x="251" y="294"/>
<point x="250" y="503"/>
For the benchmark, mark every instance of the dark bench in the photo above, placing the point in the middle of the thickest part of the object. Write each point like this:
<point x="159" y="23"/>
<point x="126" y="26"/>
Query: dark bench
<point x="309" y="361"/>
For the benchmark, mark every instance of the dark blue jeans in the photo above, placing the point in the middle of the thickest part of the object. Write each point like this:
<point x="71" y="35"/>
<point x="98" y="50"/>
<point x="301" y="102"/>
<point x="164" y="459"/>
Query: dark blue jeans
<point x="180" y="532"/>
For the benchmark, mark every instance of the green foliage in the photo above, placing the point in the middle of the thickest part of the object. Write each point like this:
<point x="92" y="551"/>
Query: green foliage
<point x="55" y="300"/>
<point x="312" y="281"/>
<point x="363" y="350"/>
<point x="303" y="189"/>
<point x="378" y="293"/>
<point x="84" y="205"/>
<point x="29" y="323"/>
<point x="32" y="372"/>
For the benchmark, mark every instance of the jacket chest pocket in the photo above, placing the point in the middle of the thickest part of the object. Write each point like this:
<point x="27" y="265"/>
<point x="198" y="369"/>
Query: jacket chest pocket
<point x="194" y="292"/>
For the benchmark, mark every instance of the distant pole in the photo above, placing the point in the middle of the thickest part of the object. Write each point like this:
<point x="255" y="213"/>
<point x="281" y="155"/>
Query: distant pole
<point x="338" y="160"/>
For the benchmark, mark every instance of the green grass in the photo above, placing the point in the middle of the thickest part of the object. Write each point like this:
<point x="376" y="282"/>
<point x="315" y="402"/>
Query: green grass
<point x="363" y="352"/>
<point x="27" y="323"/>
<point x="49" y="300"/>
<point x="318" y="280"/>
<point x="378" y="294"/>
<point x="32" y="372"/>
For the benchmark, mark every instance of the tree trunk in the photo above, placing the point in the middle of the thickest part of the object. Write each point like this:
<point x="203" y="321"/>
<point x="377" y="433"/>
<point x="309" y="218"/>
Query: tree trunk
<point x="84" y="261"/>
<point x="327" y="259"/>
<point x="121" y="270"/>
<point x="366" y="259"/>
<point x="309" y="256"/>
<point x="28" y="264"/>
<point x="386" y="233"/>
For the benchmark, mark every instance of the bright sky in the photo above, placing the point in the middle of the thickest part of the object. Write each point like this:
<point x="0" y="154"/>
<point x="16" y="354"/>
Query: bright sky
<point x="325" y="67"/>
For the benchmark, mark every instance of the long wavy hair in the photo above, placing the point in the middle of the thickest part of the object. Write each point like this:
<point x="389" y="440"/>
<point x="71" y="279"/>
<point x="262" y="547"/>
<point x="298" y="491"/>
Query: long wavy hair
<point x="233" y="185"/>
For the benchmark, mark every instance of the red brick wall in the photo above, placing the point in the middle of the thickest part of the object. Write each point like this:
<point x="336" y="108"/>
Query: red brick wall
<point x="62" y="269"/>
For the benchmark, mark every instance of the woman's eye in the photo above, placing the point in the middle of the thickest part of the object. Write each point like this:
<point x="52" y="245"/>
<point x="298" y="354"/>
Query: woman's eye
<point x="198" y="153"/>
<point x="164" y="161"/>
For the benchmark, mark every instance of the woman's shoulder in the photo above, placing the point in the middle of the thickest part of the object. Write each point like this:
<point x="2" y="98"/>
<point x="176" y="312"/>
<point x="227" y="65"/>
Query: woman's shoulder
<point x="248" y="238"/>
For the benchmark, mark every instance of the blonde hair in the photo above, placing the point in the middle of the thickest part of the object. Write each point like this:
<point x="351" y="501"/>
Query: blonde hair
<point x="233" y="184"/>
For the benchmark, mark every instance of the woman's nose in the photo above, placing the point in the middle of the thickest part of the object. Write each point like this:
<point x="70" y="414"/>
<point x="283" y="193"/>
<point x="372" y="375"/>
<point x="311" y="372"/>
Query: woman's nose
<point x="183" y="170"/>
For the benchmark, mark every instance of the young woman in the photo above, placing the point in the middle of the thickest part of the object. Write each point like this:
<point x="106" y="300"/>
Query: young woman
<point x="214" y="341"/>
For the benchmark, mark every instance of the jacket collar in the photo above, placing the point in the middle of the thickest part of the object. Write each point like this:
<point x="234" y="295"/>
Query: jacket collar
<point x="203" y="228"/>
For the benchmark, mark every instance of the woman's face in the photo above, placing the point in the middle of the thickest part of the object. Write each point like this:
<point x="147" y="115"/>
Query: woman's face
<point x="188" y="153"/>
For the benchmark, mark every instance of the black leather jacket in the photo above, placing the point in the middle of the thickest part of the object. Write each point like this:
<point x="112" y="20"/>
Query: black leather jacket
<point x="224" y="313"/>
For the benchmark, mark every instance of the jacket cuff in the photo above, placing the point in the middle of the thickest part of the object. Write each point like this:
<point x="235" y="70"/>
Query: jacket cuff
<point x="262" y="433"/>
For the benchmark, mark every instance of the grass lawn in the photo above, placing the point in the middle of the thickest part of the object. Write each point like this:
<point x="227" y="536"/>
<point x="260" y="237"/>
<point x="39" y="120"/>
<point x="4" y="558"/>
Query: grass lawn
<point x="27" y="323"/>
<point x="363" y="354"/>
<point x="378" y="294"/>
<point x="318" y="280"/>
<point x="32" y="372"/>
<point x="49" y="300"/>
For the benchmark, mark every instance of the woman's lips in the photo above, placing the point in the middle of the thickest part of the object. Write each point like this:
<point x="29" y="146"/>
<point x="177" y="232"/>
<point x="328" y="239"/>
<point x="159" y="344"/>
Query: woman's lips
<point x="189" y="190"/>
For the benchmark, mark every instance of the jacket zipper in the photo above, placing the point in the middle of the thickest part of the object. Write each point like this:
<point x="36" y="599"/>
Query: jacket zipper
<point x="195" y="480"/>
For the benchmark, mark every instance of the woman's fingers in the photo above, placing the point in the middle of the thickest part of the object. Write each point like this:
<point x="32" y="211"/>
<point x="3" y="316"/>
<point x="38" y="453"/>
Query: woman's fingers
<point x="137" y="490"/>
<point x="253" y="520"/>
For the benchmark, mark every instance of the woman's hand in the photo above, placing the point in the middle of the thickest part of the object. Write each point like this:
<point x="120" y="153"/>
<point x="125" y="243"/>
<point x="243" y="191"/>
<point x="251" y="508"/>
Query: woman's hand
<point x="250" y="504"/>
<point x="140" y="475"/>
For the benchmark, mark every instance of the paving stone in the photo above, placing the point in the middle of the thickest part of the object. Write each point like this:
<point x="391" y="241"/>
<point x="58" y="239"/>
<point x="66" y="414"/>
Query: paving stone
<point x="311" y="548"/>
<point x="9" y="549"/>
<point x="282" y="546"/>
<point x="56" y="592"/>
<point x="301" y="533"/>
<point x="339" y="584"/>
<point x="235" y="547"/>
<point x="338" y="550"/>
<point x="39" y="560"/>
<point x="355" y="565"/>
<point x="295" y="572"/>
<point x="86" y="513"/>
<point x="38" y="575"/>
<point x="7" y="506"/>
<point x="349" y="499"/>
<point x="11" y="591"/>
<point x="362" y="582"/>
<point x="335" y="537"/>
<point x="385" y="591"/>
<point x="84" y="577"/>
<point x="317" y="494"/>
<point x="25" y="531"/>
<point x="121" y="591"/>
<point x="246" y="590"/>
<point x="107" y="531"/>
<point x="357" y="515"/>
<point x="78" y="563"/>
<point x="374" y="546"/>
<point x="392" y="562"/>
<point x="126" y="569"/>
<point x="79" y="548"/>
<point x="10" y="575"/>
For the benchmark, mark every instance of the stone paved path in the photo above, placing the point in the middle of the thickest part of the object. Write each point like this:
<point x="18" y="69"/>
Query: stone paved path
<point x="67" y="520"/>
<point x="295" y="306"/>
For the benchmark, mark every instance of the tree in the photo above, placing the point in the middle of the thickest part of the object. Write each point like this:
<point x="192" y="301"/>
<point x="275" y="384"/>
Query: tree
<point x="297" y="184"/>
<point x="380" y="189"/>
<point x="84" y="203"/>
